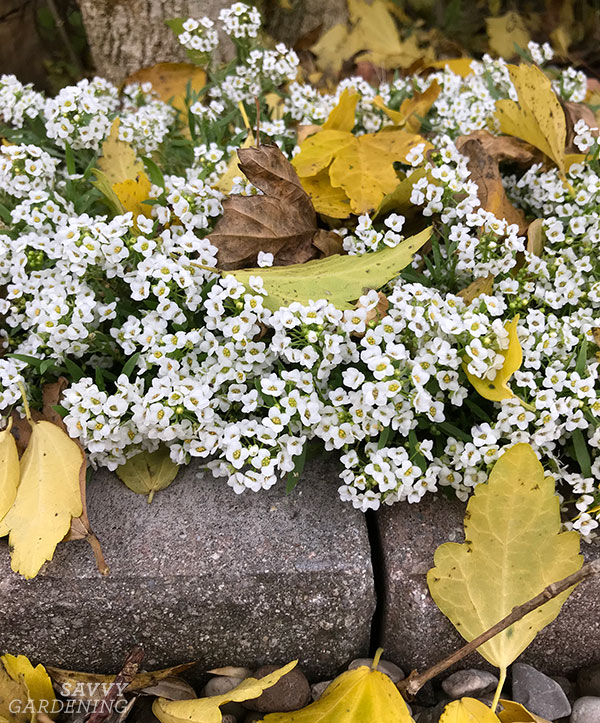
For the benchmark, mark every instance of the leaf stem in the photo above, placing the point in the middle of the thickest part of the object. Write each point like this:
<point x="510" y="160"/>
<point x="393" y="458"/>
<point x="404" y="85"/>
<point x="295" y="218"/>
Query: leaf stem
<point x="501" y="682"/>
<point x="25" y="402"/>
<point x="410" y="686"/>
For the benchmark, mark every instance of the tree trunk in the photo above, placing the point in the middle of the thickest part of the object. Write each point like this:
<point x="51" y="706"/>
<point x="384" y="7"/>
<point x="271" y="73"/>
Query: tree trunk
<point x="126" y="35"/>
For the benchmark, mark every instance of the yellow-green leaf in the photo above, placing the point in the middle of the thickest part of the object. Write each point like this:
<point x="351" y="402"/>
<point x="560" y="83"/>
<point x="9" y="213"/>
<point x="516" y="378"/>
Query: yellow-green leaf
<point x="538" y="117"/>
<point x="36" y="680"/>
<point x="398" y="200"/>
<point x="148" y="472"/>
<point x="14" y="699"/>
<point x="341" y="280"/>
<point x="497" y="388"/>
<point x="124" y="173"/>
<point x="9" y="472"/>
<point x="513" y="549"/>
<point x="47" y="498"/>
<point x="516" y="713"/>
<point x="341" y="117"/>
<point x="206" y="710"/>
<point x="356" y="696"/>
<point x="468" y="710"/>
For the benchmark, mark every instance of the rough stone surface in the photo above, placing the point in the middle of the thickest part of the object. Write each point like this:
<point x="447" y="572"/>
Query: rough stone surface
<point x="470" y="682"/>
<point x="291" y="692"/>
<point x="588" y="681"/>
<point x="538" y="692"/>
<point x="317" y="689"/>
<point x="202" y="574"/>
<point x="415" y="634"/>
<point x="586" y="710"/>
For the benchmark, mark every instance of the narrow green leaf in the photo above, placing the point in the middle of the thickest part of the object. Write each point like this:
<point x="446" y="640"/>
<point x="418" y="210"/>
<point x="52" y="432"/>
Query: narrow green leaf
<point x="294" y="476"/>
<point x="582" y="453"/>
<point x="129" y="366"/>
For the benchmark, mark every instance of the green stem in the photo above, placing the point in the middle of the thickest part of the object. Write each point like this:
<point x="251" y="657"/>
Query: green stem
<point x="499" y="688"/>
<point x="25" y="402"/>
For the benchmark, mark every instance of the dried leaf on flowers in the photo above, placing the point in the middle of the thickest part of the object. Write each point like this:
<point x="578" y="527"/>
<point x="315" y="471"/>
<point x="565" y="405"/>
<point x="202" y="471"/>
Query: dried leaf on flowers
<point x="9" y="471"/>
<point x="502" y="148"/>
<point x="121" y="176"/>
<point x="538" y="117"/>
<point x="341" y="280"/>
<point x="170" y="81"/>
<point x="282" y="221"/>
<point x="148" y="472"/>
<point x="458" y="66"/>
<point x="326" y="199"/>
<point x="497" y="389"/>
<point x="486" y="174"/>
<point x="573" y="113"/>
<point x="411" y="109"/>
<point x="482" y="285"/>
<point x="342" y="116"/>
<point x="513" y="549"/>
<point x="506" y="31"/>
<point x="535" y="237"/>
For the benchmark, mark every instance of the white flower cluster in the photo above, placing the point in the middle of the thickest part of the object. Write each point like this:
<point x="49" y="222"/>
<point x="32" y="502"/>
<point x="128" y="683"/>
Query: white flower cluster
<point x="240" y="20"/>
<point x="160" y="350"/>
<point x="199" y="35"/>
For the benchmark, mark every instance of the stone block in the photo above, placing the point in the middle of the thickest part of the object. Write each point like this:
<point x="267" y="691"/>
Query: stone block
<point x="415" y="634"/>
<point x="201" y="574"/>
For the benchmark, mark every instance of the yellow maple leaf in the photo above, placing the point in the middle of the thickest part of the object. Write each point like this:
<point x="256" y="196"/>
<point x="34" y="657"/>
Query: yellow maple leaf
<point x="342" y="116"/>
<point x="170" y="81"/>
<point x="458" y="66"/>
<point x="206" y="710"/>
<point x="506" y="31"/>
<point x="412" y="108"/>
<point x="326" y="199"/>
<point x="122" y="175"/>
<point x="356" y="696"/>
<point x="468" y="710"/>
<point x="513" y="549"/>
<point x="36" y="680"/>
<point x="538" y="117"/>
<point x="497" y="389"/>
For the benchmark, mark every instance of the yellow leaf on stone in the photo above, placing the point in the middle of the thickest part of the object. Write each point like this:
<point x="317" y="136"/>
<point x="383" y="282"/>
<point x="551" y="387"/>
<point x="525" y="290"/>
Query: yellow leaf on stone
<point x="341" y="117"/>
<point x="538" y="117"/>
<point x="148" y="472"/>
<point x="497" y="389"/>
<point x="357" y="696"/>
<point x="14" y="699"/>
<point x="513" y="549"/>
<point x="9" y="472"/>
<point x="206" y="710"/>
<point x="516" y="713"/>
<point x="468" y="710"/>
<point x="36" y="680"/>
<point x="326" y="199"/>
<point x="506" y="31"/>
<point x="124" y="173"/>
<point x="341" y="280"/>
<point x="170" y="81"/>
<point x="47" y="498"/>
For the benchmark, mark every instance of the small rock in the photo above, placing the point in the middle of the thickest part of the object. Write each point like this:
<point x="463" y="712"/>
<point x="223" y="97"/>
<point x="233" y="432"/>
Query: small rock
<point x="291" y="692"/>
<point x="588" y="681"/>
<point x="566" y="685"/>
<point x="431" y="715"/>
<point x="538" y="693"/>
<point x="470" y="682"/>
<point x="586" y="710"/>
<point x="317" y="689"/>
<point x="384" y="666"/>
<point x="220" y="685"/>
<point x="228" y="718"/>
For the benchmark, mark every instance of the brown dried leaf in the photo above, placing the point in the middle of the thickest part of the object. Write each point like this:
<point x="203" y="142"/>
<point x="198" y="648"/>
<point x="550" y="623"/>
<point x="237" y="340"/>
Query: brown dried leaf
<point x="535" y="237"/>
<point x="483" y="285"/>
<point x="328" y="243"/>
<point x="501" y="148"/>
<point x="282" y="221"/>
<point x="486" y="174"/>
<point x="573" y="113"/>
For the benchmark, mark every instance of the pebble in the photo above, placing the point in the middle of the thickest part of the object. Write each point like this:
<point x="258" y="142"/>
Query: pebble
<point x="431" y="715"/>
<point x="291" y="692"/>
<point x="470" y="682"/>
<point x="228" y="718"/>
<point x="219" y="685"/>
<point x="588" y="681"/>
<point x="538" y="692"/>
<point x="317" y="689"/>
<point x="384" y="666"/>
<point x="586" y="710"/>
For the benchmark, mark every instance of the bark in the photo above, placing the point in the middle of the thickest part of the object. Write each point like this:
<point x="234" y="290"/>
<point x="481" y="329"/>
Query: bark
<point x="126" y="35"/>
<point x="21" y="50"/>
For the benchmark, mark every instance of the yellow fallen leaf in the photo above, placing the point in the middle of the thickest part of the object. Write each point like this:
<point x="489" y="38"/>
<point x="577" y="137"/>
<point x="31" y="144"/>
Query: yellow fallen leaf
<point x="468" y="710"/>
<point x="148" y="472"/>
<point x="206" y="710"/>
<point x="497" y="389"/>
<point x="124" y="173"/>
<point x="412" y="108"/>
<point x="47" y="498"/>
<point x="513" y="549"/>
<point x="225" y="183"/>
<point x="538" y="117"/>
<point x="14" y="699"/>
<point x="506" y="31"/>
<point x="326" y="199"/>
<point x="9" y="472"/>
<point x="398" y="200"/>
<point x="341" y="117"/>
<point x="170" y="81"/>
<point x="458" y="66"/>
<point x="516" y="713"/>
<point x="482" y="285"/>
<point x="36" y="680"/>
<point x="356" y="696"/>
